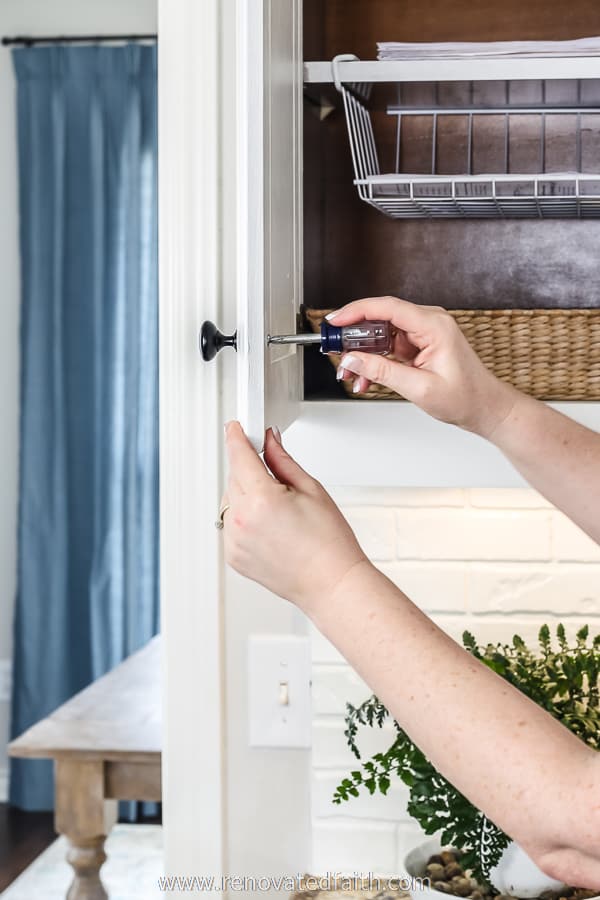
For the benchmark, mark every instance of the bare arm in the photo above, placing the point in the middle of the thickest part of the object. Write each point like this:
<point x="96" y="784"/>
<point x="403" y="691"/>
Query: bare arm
<point x="528" y="773"/>
<point x="439" y="371"/>
<point x="521" y="767"/>
<point x="557" y="456"/>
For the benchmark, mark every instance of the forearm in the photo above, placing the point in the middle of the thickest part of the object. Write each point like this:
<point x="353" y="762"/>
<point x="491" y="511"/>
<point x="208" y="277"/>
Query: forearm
<point x="557" y="456"/>
<point x="433" y="687"/>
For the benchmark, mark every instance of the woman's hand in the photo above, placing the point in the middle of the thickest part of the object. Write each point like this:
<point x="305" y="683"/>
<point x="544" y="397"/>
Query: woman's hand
<point x="436" y="367"/>
<point x="283" y="530"/>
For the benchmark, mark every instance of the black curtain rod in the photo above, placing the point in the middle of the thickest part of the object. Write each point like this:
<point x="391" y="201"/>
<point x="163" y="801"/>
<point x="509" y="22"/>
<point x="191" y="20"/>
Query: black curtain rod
<point x="28" y="41"/>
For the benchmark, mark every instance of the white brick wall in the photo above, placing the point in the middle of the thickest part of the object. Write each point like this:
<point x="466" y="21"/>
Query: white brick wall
<point x="496" y="562"/>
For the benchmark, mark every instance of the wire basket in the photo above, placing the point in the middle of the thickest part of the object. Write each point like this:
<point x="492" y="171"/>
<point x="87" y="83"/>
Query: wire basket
<point x="551" y="354"/>
<point x="521" y="131"/>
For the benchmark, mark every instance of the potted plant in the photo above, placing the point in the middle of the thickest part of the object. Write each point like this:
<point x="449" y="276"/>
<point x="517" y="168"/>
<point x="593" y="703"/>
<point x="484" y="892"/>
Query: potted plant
<point x="481" y="859"/>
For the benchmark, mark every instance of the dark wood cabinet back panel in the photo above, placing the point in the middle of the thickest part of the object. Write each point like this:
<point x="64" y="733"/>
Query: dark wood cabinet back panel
<point x="351" y="250"/>
<point x="354" y="26"/>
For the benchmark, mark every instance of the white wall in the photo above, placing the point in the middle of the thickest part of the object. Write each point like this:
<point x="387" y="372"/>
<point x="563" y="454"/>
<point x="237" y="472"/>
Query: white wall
<point x="496" y="562"/>
<point x="35" y="17"/>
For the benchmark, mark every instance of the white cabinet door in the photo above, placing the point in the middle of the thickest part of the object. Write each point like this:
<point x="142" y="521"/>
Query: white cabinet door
<point x="229" y="225"/>
<point x="269" y="211"/>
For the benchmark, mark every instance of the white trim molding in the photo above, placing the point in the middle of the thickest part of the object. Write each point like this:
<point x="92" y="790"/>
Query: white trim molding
<point x="5" y="680"/>
<point x="394" y="444"/>
<point x="190" y="437"/>
<point x="5" y="697"/>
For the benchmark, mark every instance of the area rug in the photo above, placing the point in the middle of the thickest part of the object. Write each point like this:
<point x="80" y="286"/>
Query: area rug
<point x="131" y="871"/>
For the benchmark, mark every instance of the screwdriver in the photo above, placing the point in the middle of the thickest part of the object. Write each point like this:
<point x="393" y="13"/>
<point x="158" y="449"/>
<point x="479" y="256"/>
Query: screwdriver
<point x="368" y="337"/>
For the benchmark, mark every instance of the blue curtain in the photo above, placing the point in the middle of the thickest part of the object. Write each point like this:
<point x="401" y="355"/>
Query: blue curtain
<point x="88" y="501"/>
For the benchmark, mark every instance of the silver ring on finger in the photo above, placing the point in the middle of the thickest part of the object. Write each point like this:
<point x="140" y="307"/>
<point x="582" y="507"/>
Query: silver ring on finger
<point x="220" y="521"/>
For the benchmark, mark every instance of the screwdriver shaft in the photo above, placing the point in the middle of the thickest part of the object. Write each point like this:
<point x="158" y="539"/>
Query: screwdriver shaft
<point x="293" y="339"/>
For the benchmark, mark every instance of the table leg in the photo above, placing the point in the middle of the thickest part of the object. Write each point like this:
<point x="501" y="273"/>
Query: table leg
<point x="86" y="859"/>
<point x="85" y="818"/>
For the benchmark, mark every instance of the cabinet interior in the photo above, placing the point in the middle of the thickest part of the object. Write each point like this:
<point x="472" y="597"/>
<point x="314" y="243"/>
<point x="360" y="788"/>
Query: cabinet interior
<point x="351" y="250"/>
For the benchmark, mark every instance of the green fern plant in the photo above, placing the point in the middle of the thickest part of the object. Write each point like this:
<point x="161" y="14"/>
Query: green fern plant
<point x="564" y="681"/>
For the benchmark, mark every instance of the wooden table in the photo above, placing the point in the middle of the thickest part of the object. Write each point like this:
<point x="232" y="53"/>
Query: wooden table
<point x="106" y="746"/>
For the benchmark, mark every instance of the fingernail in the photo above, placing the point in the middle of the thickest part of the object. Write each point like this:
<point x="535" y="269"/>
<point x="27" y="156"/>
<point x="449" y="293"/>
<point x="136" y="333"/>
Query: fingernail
<point x="333" y="314"/>
<point x="277" y="434"/>
<point x="353" y="363"/>
<point x="340" y="373"/>
<point x="356" y="386"/>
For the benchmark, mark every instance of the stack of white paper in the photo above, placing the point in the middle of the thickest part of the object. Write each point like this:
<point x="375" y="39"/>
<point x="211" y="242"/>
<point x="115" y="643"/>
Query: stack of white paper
<point x="589" y="46"/>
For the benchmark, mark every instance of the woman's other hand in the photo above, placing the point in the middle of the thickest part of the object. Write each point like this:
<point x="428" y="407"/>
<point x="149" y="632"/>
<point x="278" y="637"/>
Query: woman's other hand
<point x="283" y="530"/>
<point x="435" y="367"/>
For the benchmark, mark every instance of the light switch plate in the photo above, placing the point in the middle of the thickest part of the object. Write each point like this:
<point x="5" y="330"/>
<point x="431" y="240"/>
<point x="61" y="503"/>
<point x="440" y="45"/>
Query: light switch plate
<point x="279" y="668"/>
<point x="5" y="680"/>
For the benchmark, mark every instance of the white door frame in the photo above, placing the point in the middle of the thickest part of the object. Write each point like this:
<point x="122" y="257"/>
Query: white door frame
<point x="190" y="437"/>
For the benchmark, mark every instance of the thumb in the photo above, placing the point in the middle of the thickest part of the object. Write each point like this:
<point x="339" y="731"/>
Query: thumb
<point x="284" y="467"/>
<point x="407" y="380"/>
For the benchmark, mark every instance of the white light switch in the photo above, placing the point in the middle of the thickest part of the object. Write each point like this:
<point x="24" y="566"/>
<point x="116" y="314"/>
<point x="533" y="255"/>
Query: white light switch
<point x="279" y="706"/>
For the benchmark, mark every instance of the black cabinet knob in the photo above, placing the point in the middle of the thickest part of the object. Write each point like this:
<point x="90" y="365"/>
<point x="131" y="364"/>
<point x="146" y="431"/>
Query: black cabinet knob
<point x="211" y="340"/>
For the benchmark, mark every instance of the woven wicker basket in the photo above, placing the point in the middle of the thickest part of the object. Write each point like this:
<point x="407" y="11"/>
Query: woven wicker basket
<point x="552" y="354"/>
